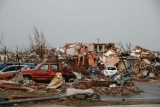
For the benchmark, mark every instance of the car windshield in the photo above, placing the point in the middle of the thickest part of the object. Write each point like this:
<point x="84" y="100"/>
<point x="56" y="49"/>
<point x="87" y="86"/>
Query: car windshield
<point x="111" y="68"/>
<point x="12" y="68"/>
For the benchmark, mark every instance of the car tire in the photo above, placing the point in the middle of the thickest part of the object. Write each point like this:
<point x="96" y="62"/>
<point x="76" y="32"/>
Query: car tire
<point x="26" y="79"/>
<point x="65" y="79"/>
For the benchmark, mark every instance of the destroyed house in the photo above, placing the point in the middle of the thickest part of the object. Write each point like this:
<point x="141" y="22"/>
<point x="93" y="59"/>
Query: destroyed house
<point x="156" y="57"/>
<point x="101" y="47"/>
<point x="141" y="52"/>
<point x="73" y="48"/>
<point x="112" y="52"/>
<point x="129" y="62"/>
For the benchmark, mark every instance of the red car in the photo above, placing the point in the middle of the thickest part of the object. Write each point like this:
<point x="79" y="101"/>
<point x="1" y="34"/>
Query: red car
<point x="47" y="71"/>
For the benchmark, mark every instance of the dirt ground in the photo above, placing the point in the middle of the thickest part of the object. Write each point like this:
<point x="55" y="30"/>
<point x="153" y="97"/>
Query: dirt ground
<point x="15" y="94"/>
<point x="79" y="103"/>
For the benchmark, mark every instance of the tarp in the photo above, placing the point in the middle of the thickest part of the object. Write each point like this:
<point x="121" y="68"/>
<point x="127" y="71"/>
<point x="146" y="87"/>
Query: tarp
<point x="56" y="82"/>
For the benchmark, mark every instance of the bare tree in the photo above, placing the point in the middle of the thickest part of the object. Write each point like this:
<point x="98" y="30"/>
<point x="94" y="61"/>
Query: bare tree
<point x="1" y="43"/>
<point x="128" y="45"/>
<point x="38" y="43"/>
<point x="1" y="39"/>
<point x="125" y="48"/>
<point x="121" y="46"/>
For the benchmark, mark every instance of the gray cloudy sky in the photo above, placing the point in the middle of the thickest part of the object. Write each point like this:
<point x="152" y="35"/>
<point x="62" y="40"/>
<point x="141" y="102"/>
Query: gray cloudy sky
<point x="65" y="21"/>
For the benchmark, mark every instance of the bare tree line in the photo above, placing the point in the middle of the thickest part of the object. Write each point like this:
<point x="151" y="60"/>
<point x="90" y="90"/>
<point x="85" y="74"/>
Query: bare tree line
<point x="38" y="42"/>
<point x="125" y="47"/>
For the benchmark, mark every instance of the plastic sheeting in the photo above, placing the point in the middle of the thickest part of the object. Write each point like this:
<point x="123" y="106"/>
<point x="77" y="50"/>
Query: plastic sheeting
<point x="56" y="82"/>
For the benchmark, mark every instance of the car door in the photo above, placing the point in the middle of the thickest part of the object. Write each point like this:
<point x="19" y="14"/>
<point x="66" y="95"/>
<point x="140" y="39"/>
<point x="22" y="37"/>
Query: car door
<point x="42" y="73"/>
<point x="8" y="72"/>
<point x="53" y="70"/>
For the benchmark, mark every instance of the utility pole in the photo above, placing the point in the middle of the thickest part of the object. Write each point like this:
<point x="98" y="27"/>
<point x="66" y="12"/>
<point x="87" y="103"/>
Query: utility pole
<point x="123" y="62"/>
<point x="5" y="50"/>
<point x="57" y="63"/>
<point x="140" y="60"/>
<point x="98" y="40"/>
<point x="41" y="48"/>
<point x="5" y="53"/>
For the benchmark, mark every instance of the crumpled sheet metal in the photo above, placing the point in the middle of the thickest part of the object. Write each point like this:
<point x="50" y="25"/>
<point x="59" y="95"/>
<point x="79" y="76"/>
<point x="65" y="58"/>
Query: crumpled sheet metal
<point x="121" y="78"/>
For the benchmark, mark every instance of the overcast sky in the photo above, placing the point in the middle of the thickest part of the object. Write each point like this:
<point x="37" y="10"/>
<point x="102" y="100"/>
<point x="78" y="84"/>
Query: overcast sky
<point x="68" y="21"/>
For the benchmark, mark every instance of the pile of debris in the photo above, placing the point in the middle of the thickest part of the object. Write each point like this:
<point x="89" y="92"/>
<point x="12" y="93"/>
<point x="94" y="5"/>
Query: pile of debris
<point x="106" y="87"/>
<point x="17" y="86"/>
<point x="128" y="89"/>
<point x="147" y="70"/>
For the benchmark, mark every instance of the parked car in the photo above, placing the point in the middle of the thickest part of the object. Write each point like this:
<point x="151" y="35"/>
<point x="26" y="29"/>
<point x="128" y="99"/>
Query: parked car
<point x="9" y="72"/>
<point x="31" y="65"/>
<point x="5" y="64"/>
<point x="2" y="65"/>
<point x="110" y="70"/>
<point x="11" y="63"/>
<point x="47" y="71"/>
